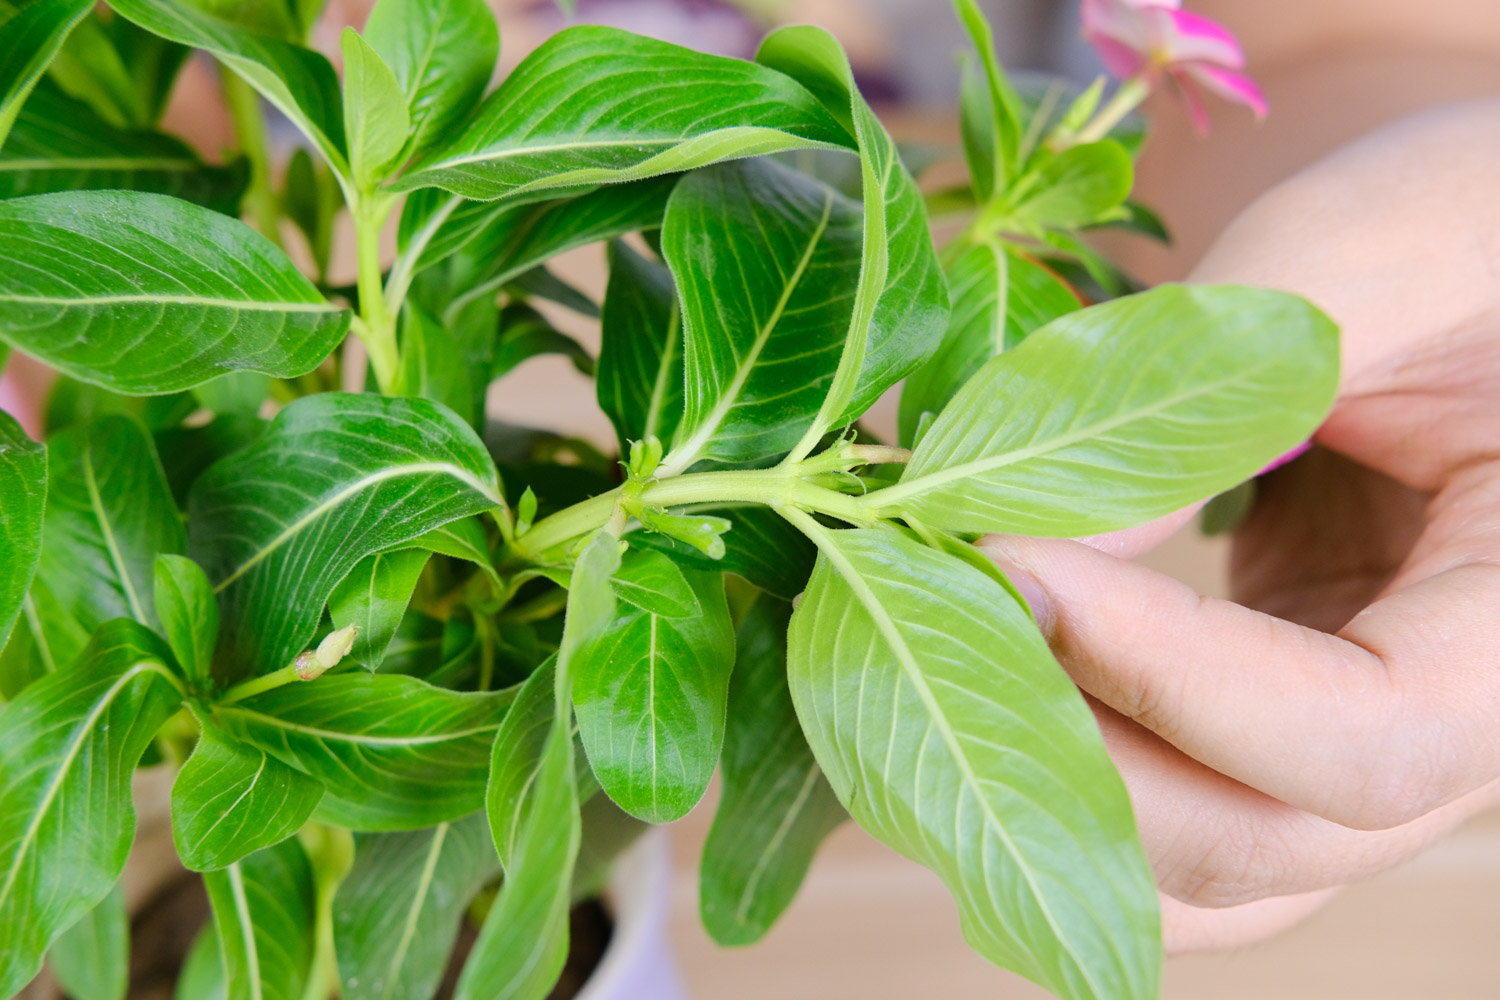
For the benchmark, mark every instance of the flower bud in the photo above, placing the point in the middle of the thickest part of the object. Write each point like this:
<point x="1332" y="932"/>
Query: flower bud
<point x="336" y="646"/>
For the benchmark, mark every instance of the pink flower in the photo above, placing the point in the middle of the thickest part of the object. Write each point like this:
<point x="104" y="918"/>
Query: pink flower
<point x="1149" y="39"/>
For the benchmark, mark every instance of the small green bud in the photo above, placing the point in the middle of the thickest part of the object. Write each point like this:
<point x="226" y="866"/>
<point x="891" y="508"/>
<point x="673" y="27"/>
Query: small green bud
<point x="701" y="531"/>
<point x="525" y="512"/>
<point x="645" y="456"/>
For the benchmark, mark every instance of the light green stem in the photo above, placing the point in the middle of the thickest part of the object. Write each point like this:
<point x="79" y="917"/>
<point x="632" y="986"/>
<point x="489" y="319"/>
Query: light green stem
<point x="378" y="325"/>
<point x="261" y="202"/>
<point x="259" y="685"/>
<point x="1125" y="100"/>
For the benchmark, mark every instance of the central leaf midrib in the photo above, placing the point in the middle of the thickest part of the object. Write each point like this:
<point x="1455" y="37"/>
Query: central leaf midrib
<point x="146" y="298"/>
<point x="409" y="927"/>
<point x="360" y="739"/>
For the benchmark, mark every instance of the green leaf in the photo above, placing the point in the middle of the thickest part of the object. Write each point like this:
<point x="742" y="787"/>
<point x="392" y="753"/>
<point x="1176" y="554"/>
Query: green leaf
<point x="640" y="372"/>
<point x="949" y="732"/>
<point x="394" y="753"/>
<point x="60" y="144"/>
<point x="202" y="976"/>
<point x="775" y="807"/>
<point x="187" y="452"/>
<point x="374" y="597"/>
<point x="516" y="239"/>
<point x="433" y="365"/>
<point x="598" y="105"/>
<point x="999" y="298"/>
<point x="442" y="52"/>
<point x="464" y="539"/>
<point x="650" y="581"/>
<point x="376" y="121"/>
<point x="900" y="303"/>
<point x="311" y="199"/>
<point x="92" y="958"/>
<point x="230" y="800"/>
<point x="760" y="546"/>
<point x="29" y="39"/>
<point x="298" y="82"/>
<point x="399" y="910"/>
<point x="532" y="805"/>
<point x="526" y="333"/>
<point x="126" y="93"/>
<point x="1172" y="396"/>
<point x="650" y="693"/>
<point x="540" y="283"/>
<point x="1079" y="186"/>
<point x="264" y="912"/>
<point x="142" y="293"/>
<point x="45" y="639"/>
<point x="238" y="392"/>
<point x="109" y="513"/>
<point x="276" y="18"/>
<point x="68" y="746"/>
<point x="280" y="523"/>
<point x="23" y="498"/>
<point x="761" y="338"/>
<point x="189" y="615"/>
<point x="1003" y="105"/>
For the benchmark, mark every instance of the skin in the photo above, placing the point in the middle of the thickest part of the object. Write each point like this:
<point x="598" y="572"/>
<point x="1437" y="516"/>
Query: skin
<point x="1342" y="712"/>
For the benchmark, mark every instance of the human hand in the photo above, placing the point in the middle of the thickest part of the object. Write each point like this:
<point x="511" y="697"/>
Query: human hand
<point x="1346" y="712"/>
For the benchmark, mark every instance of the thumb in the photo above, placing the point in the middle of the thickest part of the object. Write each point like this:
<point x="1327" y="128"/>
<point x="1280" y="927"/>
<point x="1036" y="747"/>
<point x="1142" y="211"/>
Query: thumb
<point x="1318" y="721"/>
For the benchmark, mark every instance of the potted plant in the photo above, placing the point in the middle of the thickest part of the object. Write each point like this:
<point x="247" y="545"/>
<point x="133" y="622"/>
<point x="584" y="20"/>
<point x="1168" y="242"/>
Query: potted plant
<point x="393" y="651"/>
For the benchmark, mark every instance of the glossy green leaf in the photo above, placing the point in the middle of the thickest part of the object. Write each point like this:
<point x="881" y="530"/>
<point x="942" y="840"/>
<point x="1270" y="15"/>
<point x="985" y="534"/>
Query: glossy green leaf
<point x="775" y="807"/>
<point x="976" y="123"/>
<point x="1079" y="186"/>
<point x="526" y="333"/>
<point x="442" y="52"/>
<point x="45" y="639"/>
<point x="280" y="523"/>
<point x="640" y="371"/>
<point x="29" y="38"/>
<point x="761" y="338"/>
<point x="374" y="597"/>
<point x="532" y="805"/>
<point x="376" y="121"/>
<point x="999" y="298"/>
<point x="399" y="910"/>
<point x="60" y="144"/>
<point x="598" y="105"/>
<point x="92" y="67"/>
<point x="900" y="304"/>
<point x="650" y="693"/>
<point x="230" y="800"/>
<point x="515" y="240"/>
<point x="759" y="546"/>
<point x="264" y="913"/>
<point x="189" y="615"/>
<point x="541" y="283"/>
<point x="202" y="976"/>
<point x="300" y="83"/>
<point x="91" y="959"/>
<point x="394" y="753"/>
<point x="109" y="514"/>
<point x="68" y="746"/>
<point x="433" y="364"/>
<point x="23" y="498"/>
<point x="950" y="733"/>
<point x="187" y="452"/>
<point x="1170" y="396"/>
<point x="463" y="539"/>
<point x="142" y="293"/>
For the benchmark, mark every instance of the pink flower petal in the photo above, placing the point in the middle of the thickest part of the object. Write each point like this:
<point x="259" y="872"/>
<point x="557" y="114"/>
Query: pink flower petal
<point x="1231" y="86"/>
<point x="1192" y="99"/>
<point x="1118" y="20"/>
<point x="1122" y="61"/>
<point x="1195" y="38"/>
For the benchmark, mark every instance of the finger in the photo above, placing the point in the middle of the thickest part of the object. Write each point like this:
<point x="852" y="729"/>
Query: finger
<point x="1370" y="728"/>
<point x="1186" y="929"/>
<point x="1213" y="842"/>
<point x="1143" y="538"/>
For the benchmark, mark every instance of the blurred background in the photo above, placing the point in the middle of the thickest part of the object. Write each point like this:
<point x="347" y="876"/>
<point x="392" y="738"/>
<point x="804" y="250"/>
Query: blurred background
<point x="868" y="924"/>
